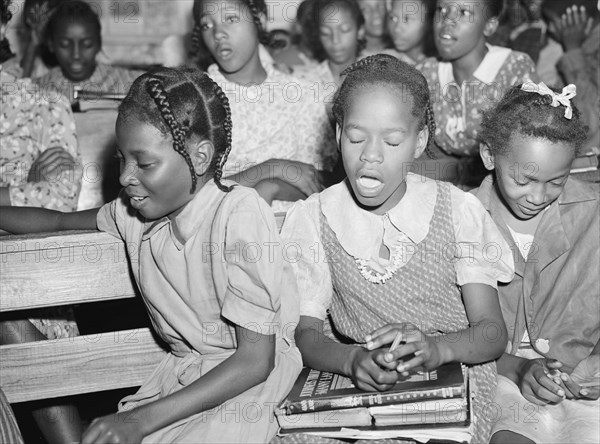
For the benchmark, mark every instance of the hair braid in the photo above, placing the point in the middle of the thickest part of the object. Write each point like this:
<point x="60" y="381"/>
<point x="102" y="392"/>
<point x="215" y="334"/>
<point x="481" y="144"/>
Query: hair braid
<point x="196" y="41"/>
<point x="221" y="159"/>
<point x="156" y="90"/>
<point x="264" y="36"/>
<point x="430" y="120"/>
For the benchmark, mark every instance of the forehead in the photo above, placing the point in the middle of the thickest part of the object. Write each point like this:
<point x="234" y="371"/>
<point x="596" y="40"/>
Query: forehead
<point x="382" y="102"/>
<point x="378" y="5"/>
<point x="76" y="25"/>
<point x="335" y="14"/>
<point x="541" y="156"/>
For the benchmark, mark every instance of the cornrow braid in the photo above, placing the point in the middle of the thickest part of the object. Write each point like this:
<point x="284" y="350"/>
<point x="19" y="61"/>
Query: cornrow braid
<point x="264" y="36"/>
<point x="157" y="92"/>
<point x="196" y="39"/>
<point x="221" y="158"/>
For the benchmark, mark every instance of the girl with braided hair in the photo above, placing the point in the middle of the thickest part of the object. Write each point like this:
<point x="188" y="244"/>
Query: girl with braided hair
<point x="549" y="376"/>
<point x="282" y="138"/>
<point x="389" y="252"/>
<point x="208" y="261"/>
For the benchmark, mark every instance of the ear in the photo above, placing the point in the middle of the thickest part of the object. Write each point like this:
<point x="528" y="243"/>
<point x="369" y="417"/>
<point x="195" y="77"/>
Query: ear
<point x="338" y="136"/>
<point x="361" y="33"/>
<point x="201" y="153"/>
<point x="422" y="139"/>
<point x="487" y="156"/>
<point x="490" y="27"/>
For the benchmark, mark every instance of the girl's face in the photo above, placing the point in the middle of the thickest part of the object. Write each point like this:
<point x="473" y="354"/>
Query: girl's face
<point x="407" y="25"/>
<point x="339" y="34"/>
<point x="374" y="13"/>
<point x="75" y="44"/>
<point x="379" y="141"/>
<point x="459" y="28"/>
<point x="231" y="36"/>
<point x="531" y="174"/>
<point x="156" y="178"/>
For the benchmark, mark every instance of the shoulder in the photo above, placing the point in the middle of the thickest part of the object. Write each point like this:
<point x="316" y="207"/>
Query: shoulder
<point x="430" y="64"/>
<point x="577" y="192"/>
<point x="517" y="59"/>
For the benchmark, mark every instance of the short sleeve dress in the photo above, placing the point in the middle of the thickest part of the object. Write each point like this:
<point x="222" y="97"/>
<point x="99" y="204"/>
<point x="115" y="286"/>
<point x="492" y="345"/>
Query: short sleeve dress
<point x="216" y="264"/>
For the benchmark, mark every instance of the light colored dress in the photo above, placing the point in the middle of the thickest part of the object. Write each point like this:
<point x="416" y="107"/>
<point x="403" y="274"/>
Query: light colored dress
<point x="282" y="118"/>
<point x="440" y="237"/>
<point x="29" y="125"/>
<point x="216" y="264"/>
<point x="106" y="78"/>
<point x="552" y="309"/>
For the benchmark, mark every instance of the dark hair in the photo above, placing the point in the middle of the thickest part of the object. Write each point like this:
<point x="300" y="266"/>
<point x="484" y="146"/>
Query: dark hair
<point x="5" y="12"/>
<point x="530" y="114"/>
<point x="383" y="69"/>
<point x="494" y="8"/>
<point x="74" y="11"/>
<point x="182" y="103"/>
<point x="198" y="50"/>
<point x="5" y="16"/>
<point x="319" y="7"/>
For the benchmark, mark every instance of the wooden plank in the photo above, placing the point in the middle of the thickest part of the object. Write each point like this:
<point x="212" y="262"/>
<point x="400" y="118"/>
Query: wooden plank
<point x="63" y="268"/>
<point x="50" y="369"/>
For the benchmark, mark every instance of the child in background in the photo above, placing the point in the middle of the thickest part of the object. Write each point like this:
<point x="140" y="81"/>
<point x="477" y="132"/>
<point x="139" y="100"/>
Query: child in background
<point x="341" y="33"/>
<point x="376" y="34"/>
<point x="374" y="249"/>
<point x="36" y="59"/>
<point x="225" y="317"/>
<point x="74" y="37"/>
<point x="300" y="52"/>
<point x="551" y="307"/>
<point x="468" y="77"/>
<point x="410" y="25"/>
<point x="282" y="139"/>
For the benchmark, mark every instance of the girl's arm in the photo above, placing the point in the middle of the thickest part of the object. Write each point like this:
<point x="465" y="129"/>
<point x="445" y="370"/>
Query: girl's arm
<point x="249" y="366"/>
<point x="364" y="367"/>
<point x="484" y="339"/>
<point x="23" y="220"/>
<point x="300" y="175"/>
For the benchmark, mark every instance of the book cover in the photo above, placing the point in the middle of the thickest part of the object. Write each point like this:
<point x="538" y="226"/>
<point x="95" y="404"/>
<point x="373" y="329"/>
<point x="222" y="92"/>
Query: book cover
<point x="329" y="418"/>
<point x="316" y="390"/>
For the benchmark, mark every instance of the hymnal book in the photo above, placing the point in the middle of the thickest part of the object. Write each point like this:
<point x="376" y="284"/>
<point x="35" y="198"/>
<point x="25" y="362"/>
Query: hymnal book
<point x="81" y="106"/>
<point x="355" y="417"/>
<point x="316" y="390"/>
<point x="588" y="162"/>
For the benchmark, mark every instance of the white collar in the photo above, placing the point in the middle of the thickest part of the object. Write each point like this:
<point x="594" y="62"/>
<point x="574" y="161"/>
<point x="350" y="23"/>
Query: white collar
<point x="360" y="232"/>
<point x="487" y="70"/>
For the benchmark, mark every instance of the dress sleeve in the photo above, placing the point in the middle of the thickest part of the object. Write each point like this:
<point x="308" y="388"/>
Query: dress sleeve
<point x="254" y="258"/>
<point x="110" y="215"/>
<point x="301" y="235"/>
<point x="482" y="254"/>
<point x="53" y="125"/>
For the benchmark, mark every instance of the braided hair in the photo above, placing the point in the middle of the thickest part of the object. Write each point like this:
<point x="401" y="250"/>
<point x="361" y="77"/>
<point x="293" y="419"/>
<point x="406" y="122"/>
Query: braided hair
<point x="530" y="114"/>
<point x="182" y="103"/>
<point x="383" y="69"/>
<point x="5" y="16"/>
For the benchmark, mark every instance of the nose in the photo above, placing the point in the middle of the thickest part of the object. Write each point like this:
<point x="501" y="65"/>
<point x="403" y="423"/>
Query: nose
<point x="219" y="31"/>
<point x="537" y="195"/>
<point x="335" y="38"/>
<point x="76" y="52"/>
<point x="128" y="174"/>
<point x="372" y="152"/>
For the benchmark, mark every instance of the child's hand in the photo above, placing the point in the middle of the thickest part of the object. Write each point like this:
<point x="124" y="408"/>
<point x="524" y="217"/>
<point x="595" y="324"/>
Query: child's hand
<point x="37" y="20"/>
<point x="303" y="176"/>
<point x="536" y="381"/>
<point x="112" y="429"/>
<point x="426" y="350"/>
<point x="572" y="28"/>
<point x="587" y="372"/>
<point x="370" y="371"/>
<point x="50" y="165"/>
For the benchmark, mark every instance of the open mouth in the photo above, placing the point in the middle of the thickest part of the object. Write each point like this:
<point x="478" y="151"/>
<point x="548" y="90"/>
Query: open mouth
<point x="137" y="201"/>
<point x="369" y="182"/>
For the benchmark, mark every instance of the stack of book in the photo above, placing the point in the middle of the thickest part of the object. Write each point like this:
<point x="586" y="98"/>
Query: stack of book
<point x="424" y="406"/>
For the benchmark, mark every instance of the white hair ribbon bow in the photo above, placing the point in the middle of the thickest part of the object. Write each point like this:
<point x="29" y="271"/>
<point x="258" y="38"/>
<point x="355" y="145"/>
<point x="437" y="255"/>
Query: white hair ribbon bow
<point x="564" y="98"/>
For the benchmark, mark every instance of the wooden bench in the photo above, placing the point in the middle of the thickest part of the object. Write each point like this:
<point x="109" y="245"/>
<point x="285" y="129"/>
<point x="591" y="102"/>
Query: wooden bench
<point x="54" y="269"/>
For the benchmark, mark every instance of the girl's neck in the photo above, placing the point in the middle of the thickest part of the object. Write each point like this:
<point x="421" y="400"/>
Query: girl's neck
<point x="464" y="67"/>
<point x="416" y="53"/>
<point x="337" y="69"/>
<point x="375" y="43"/>
<point x="252" y="73"/>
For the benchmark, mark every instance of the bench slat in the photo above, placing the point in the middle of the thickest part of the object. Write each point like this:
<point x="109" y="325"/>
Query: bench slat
<point x="50" y="369"/>
<point x="61" y="269"/>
